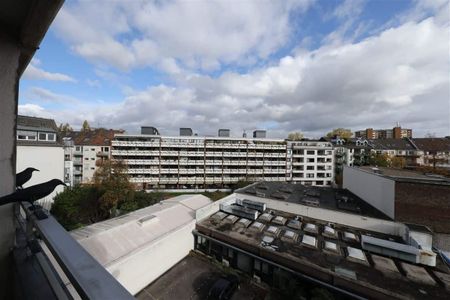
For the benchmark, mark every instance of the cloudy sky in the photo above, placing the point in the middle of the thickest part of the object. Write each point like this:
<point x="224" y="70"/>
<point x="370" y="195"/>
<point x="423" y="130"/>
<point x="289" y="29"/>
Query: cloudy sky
<point x="283" y="66"/>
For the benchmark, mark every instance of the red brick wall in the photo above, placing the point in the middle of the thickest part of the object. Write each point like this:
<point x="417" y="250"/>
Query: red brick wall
<point x="424" y="204"/>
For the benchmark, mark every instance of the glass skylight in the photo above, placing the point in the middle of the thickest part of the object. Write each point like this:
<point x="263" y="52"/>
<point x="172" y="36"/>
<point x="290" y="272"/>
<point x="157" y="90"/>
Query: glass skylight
<point x="309" y="240"/>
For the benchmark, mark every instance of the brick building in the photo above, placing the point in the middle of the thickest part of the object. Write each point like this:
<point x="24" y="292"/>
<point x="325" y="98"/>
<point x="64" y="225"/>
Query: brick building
<point x="405" y="196"/>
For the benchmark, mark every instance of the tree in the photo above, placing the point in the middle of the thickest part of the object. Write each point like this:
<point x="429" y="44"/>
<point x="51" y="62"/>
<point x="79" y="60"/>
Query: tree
<point x="64" y="128"/>
<point x="111" y="177"/>
<point x="379" y="160"/>
<point x="85" y="126"/>
<point x="341" y="132"/>
<point x="398" y="162"/>
<point x="295" y="136"/>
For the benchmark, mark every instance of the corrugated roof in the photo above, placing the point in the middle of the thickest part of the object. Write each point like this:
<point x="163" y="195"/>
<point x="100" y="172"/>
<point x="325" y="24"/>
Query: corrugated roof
<point x="120" y="237"/>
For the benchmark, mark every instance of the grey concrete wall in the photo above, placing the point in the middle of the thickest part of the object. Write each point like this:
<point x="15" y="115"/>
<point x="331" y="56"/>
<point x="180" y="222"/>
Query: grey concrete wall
<point x="372" y="188"/>
<point x="9" y="63"/>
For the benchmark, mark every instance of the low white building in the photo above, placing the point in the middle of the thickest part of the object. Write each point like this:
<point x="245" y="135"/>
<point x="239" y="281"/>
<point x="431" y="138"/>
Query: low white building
<point x="140" y="246"/>
<point x="38" y="147"/>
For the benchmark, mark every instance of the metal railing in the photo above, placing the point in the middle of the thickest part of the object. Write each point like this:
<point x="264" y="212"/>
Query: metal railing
<point x="90" y="279"/>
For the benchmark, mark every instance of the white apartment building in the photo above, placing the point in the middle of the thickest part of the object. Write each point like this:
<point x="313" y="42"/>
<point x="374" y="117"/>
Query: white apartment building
<point x="38" y="147"/>
<point x="84" y="151"/>
<point x="312" y="162"/>
<point x="217" y="162"/>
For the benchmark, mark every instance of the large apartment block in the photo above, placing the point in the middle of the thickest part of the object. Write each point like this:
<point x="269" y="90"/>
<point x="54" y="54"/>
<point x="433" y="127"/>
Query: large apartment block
<point x="190" y="161"/>
<point x="395" y="133"/>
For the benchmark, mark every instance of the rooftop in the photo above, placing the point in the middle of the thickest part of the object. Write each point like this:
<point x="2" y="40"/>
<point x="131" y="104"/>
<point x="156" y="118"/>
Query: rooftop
<point x="406" y="175"/>
<point x="38" y="124"/>
<point x="93" y="137"/>
<point x="333" y="258"/>
<point x="116" y="239"/>
<point x="432" y="144"/>
<point x="323" y="197"/>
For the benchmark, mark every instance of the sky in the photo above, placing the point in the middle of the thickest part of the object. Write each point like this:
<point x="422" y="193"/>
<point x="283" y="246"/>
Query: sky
<point x="283" y="66"/>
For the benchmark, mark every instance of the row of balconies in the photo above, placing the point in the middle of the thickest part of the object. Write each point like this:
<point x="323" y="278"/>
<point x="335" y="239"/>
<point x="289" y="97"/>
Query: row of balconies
<point x="205" y="171"/>
<point x="202" y="162"/>
<point x="116" y="152"/>
<point x="200" y="180"/>
<point x="134" y="143"/>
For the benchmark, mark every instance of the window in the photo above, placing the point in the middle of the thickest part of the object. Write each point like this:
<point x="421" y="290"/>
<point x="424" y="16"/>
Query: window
<point x="309" y="167"/>
<point x="51" y="137"/>
<point x="77" y="148"/>
<point x="26" y="135"/>
<point x="310" y="152"/>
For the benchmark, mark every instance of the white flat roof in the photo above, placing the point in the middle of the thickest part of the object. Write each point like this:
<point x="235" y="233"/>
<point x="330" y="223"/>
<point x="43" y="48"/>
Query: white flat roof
<point x="119" y="237"/>
<point x="201" y="138"/>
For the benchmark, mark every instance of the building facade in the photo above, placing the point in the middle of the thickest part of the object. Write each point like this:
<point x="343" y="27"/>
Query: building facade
<point x="217" y="162"/>
<point x="84" y="151"/>
<point x="405" y="196"/>
<point x="38" y="146"/>
<point x="311" y="162"/>
<point x="395" y="133"/>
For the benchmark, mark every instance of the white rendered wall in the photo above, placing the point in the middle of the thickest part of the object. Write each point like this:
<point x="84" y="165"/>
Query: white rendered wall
<point x="50" y="163"/>
<point x="376" y="190"/>
<point x="146" y="264"/>
<point x="89" y="159"/>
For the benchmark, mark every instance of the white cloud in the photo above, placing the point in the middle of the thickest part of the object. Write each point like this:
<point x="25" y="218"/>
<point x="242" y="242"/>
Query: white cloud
<point x="34" y="73"/>
<point x="401" y="74"/>
<point x="33" y="110"/>
<point x="200" y="34"/>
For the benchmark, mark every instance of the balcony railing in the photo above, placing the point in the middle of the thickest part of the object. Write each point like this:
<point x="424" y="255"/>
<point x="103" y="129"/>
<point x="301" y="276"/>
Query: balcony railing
<point x="89" y="279"/>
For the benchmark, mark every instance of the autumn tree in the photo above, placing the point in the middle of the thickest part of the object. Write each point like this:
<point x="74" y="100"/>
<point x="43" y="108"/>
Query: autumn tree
<point x="341" y="132"/>
<point x="64" y="128"/>
<point x="111" y="177"/>
<point x="85" y="126"/>
<point x="379" y="160"/>
<point x="398" y="162"/>
<point x="295" y="136"/>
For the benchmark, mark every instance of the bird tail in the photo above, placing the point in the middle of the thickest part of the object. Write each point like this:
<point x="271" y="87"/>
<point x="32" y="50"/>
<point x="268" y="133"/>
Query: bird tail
<point x="7" y="199"/>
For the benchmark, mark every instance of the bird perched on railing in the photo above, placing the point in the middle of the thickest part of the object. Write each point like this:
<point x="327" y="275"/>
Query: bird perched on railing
<point x="32" y="193"/>
<point x="24" y="176"/>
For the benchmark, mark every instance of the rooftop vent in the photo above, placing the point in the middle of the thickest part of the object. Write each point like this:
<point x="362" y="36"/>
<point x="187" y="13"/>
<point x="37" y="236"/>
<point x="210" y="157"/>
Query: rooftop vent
<point x="330" y="246"/>
<point x="240" y="211"/>
<point x="147" y="220"/>
<point x="259" y="134"/>
<point x="309" y="241"/>
<point x="259" y="206"/>
<point x="266" y="217"/>
<point x="310" y="201"/>
<point x="295" y="224"/>
<point x="356" y="254"/>
<point x="186" y="132"/>
<point x="149" y="130"/>
<point x="224" y="133"/>
<point x="279" y="220"/>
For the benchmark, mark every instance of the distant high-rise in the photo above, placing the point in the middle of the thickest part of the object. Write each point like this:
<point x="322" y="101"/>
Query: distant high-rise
<point x="395" y="133"/>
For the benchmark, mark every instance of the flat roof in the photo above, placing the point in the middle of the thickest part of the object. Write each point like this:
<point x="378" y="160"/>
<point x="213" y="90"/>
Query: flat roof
<point x="323" y="197"/>
<point x="118" y="237"/>
<point x="405" y="175"/>
<point x="349" y="266"/>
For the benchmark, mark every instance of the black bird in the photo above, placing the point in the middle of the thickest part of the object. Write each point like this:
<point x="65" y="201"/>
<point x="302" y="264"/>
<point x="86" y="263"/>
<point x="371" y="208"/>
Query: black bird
<point x="24" y="176"/>
<point x="32" y="193"/>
